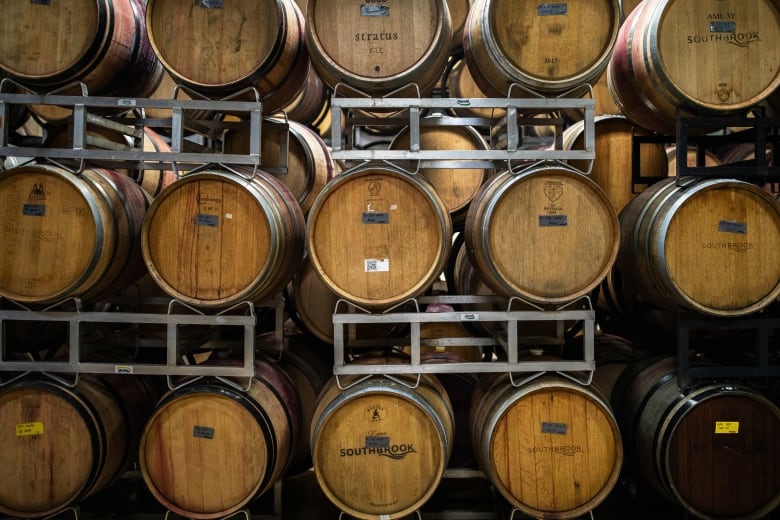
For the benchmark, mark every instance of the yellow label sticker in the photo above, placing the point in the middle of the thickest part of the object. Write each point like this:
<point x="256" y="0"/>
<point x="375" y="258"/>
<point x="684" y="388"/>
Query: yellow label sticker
<point x="27" y="429"/>
<point x="726" y="427"/>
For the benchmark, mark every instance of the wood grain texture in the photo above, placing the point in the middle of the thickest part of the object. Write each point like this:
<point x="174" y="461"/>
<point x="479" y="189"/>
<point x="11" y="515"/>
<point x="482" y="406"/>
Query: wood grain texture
<point x="48" y="210"/>
<point x="209" y="448"/>
<point x="377" y="236"/>
<point x="551" y="447"/>
<point x="379" y="448"/>
<point x="215" y="238"/>
<point x="223" y="50"/>
<point x="456" y="186"/>
<point x="309" y="162"/>
<point x="701" y="57"/>
<point x="548" y="234"/>
<point x="60" y="444"/>
<point x="680" y="445"/>
<point x="378" y="48"/>
<point x="710" y="247"/>
<point x="103" y="44"/>
<point x="612" y="166"/>
<point x="548" y="47"/>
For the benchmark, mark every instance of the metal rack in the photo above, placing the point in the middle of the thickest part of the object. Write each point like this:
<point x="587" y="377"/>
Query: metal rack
<point x="467" y="313"/>
<point x="511" y="113"/>
<point x="175" y="363"/>
<point x="86" y="109"/>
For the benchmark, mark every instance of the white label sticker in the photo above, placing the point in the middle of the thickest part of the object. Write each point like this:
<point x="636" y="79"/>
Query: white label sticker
<point x="375" y="265"/>
<point x="228" y="216"/>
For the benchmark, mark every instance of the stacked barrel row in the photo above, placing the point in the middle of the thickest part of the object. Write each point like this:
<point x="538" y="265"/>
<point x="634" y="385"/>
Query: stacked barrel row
<point x="376" y="236"/>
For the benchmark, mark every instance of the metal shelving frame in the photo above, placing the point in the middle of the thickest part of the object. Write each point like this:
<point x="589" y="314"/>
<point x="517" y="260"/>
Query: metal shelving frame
<point x="175" y="363"/>
<point x="85" y="108"/>
<point x="511" y="113"/>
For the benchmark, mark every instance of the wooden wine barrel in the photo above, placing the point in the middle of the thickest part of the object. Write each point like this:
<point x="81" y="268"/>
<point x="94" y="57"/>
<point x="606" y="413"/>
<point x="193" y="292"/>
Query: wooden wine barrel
<point x="67" y="235"/>
<point x="551" y="447"/>
<point x="374" y="47"/>
<point x="691" y="158"/>
<point x="708" y="245"/>
<point x="380" y="447"/>
<point x="459" y="83"/>
<point x="214" y="239"/>
<point x="210" y="447"/>
<point x="694" y="444"/>
<point x="62" y="444"/>
<point x="102" y="43"/>
<point x="312" y="104"/>
<point x="378" y="236"/>
<point x="309" y="367"/>
<point x="612" y="166"/>
<point x="313" y="303"/>
<point x="221" y="48"/>
<point x="696" y="57"/>
<point x="309" y="161"/>
<point x="153" y="181"/>
<point x="456" y="186"/>
<point x="548" y="235"/>
<point x="459" y="11"/>
<point x="544" y="47"/>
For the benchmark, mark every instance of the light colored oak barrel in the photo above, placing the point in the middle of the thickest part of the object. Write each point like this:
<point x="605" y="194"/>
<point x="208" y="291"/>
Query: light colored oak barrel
<point x="709" y="246"/>
<point x="701" y="58"/>
<point x="545" y="47"/>
<point x="374" y="47"/>
<point x="210" y="448"/>
<point x="309" y="367"/>
<point x="214" y="239"/>
<point x="612" y="166"/>
<point x="380" y="447"/>
<point x="711" y="448"/>
<point x="551" y="447"/>
<point x="456" y="186"/>
<point x="458" y="83"/>
<point x="309" y="161"/>
<point x="102" y="43"/>
<point x="154" y="180"/>
<point x="313" y="303"/>
<point x="549" y="235"/>
<point x="691" y="158"/>
<point x="63" y="444"/>
<point x="377" y="236"/>
<point x="67" y="235"/>
<point x="459" y="11"/>
<point x="220" y="48"/>
<point x="312" y="104"/>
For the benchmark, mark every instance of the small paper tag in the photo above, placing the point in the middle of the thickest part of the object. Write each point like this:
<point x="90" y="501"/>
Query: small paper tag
<point x="203" y="432"/>
<point x="29" y="429"/>
<point x="375" y="265"/>
<point x="727" y="427"/>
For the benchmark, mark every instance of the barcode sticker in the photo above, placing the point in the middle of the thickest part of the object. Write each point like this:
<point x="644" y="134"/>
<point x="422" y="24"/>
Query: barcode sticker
<point x="375" y="265"/>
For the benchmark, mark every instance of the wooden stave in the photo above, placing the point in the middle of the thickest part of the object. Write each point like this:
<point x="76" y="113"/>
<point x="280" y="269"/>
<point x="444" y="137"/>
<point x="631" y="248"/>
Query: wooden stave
<point x="643" y="223"/>
<point x="493" y="398"/>
<point x="105" y="418"/>
<point x="647" y="394"/>
<point x="116" y="206"/>
<point x="433" y="203"/>
<point x="286" y="230"/>
<point x="639" y="79"/>
<point x="277" y="78"/>
<point x="429" y="396"/>
<point x="271" y="402"/>
<point x="479" y="250"/>
<point x="493" y="70"/>
<point x="424" y="73"/>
